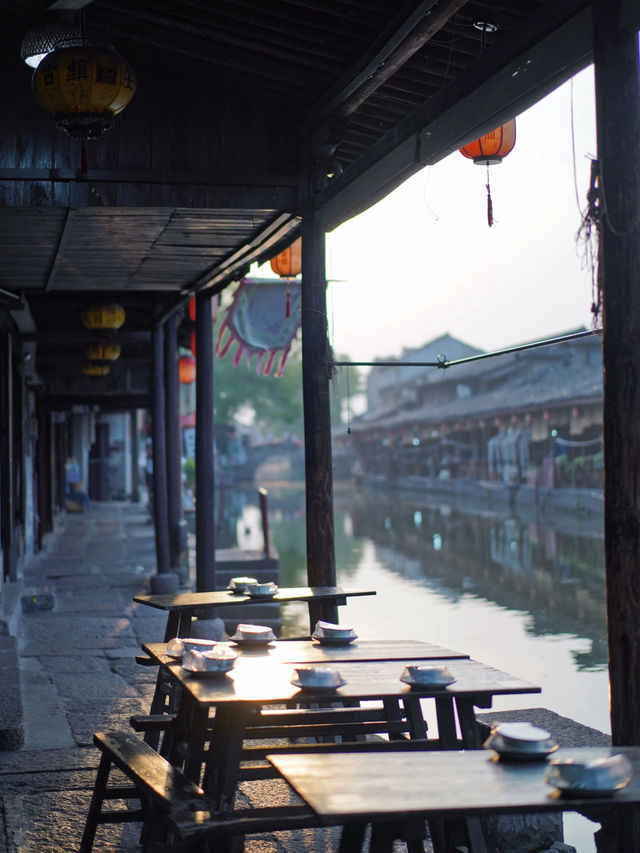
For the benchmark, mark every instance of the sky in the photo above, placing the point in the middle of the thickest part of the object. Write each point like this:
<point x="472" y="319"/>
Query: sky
<point x="423" y="262"/>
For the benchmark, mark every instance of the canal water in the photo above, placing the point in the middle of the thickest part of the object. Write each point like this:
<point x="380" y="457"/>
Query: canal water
<point x="525" y="597"/>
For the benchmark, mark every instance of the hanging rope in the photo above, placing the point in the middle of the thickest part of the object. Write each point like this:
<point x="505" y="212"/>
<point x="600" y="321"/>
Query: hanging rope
<point x="489" y="202"/>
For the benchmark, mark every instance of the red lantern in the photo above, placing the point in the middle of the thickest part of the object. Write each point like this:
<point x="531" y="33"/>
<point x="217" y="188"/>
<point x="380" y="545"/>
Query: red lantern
<point x="288" y="263"/>
<point x="187" y="369"/>
<point x="492" y="147"/>
<point x="192" y="341"/>
<point x="192" y="309"/>
<point x="489" y="150"/>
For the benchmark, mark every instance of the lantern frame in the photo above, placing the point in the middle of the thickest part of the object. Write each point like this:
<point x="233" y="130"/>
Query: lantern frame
<point x="288" y="262"/>
<point x="490" y="149"/>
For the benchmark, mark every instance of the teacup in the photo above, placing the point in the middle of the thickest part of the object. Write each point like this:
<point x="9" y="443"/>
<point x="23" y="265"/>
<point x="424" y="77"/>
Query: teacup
<point x="329" y="629"/>
<point x="214" y="661"/>
<point x="241" y="583"/>
<point x="262" y="588"/>
<point x="254" y="632"/>
<point x="427" y="674"/>
<point x="313" y="676"/>
<point x="197" y="644"/>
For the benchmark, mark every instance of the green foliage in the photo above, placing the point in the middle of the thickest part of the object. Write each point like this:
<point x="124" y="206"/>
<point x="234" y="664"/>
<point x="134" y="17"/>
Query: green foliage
<point x="276" y="402"/>
<point x="189" y="470"/>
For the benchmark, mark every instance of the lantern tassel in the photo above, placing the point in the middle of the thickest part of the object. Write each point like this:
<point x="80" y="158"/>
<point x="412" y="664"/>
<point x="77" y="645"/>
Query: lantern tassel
<point x="287" y="310"/>
<point x="83" y="158"/>
<point x="489" y="202"/>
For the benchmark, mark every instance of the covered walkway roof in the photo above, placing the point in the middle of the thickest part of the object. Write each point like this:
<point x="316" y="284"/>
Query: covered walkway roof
<point x="242" y="110"/>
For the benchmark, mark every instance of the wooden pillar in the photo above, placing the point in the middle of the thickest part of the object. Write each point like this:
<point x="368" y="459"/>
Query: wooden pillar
<point x="172" y="419"/>
<point x="7" y="506"/>
<point x="205" y="465"/>
<point x="135" y="453"/>
<point x="316" y="366"/>
<point x="618" y="121"/>
<point x="44" y="472"/>
<point x="159" y="444"/>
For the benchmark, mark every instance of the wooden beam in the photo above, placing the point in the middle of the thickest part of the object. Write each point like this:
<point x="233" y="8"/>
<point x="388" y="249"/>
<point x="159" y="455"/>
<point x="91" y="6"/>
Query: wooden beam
<point x="509" y="77"/>
<point x="174" y="453"/>
<point x="410" y="30"/>
<point x="60" y="248"/>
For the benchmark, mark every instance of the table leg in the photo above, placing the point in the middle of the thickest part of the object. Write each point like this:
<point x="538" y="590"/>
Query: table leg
<point x="173" y="626"/>
<point x="382" y="836"/>
<point x="222" y="770"/>
<point x="446" y="723"/>
<point x="467" y="720"/>
<point x="352" y="838"/>
<point x="326" y="609"/>
<point x="415" y="718"/>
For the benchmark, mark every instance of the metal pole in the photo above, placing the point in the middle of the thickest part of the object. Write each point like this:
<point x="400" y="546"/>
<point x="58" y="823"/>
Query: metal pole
<point x="265" y="521"/>
<point x="135" y="452"/>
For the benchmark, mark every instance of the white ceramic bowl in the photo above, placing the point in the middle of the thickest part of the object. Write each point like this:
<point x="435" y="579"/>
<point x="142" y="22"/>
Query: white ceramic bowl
<point x="520" y="734"/>
<point x="240" y="583"/>
<point x="197" y="644"/>
<point x="215" y="662"/>
<point x="329" y="629"/>
<point x="262" y="588"/>
<point x="606" y="774"/>
<point x="314" y="676"/>
<point x="175" y="647"/>
<point x="254" y="632"/>
<point x="427" y="675"/>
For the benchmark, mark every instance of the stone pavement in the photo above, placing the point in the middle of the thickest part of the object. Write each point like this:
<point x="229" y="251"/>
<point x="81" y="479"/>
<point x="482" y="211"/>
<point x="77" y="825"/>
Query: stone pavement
<point x="78" y="675"/>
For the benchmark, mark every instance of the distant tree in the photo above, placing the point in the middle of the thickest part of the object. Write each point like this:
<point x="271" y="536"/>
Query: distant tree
<point x="276" y="403"/>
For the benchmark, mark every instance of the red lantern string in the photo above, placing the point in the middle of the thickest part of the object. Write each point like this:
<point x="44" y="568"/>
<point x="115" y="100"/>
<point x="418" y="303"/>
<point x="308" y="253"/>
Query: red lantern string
<point x="489" y="202"/>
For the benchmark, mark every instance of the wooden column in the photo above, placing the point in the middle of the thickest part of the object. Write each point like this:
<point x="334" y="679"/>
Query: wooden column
<point x="321" y="563"/>
<point x="205" y="467"/>
<point x="7" y="461"/>
<point x="618" y="119"/>
<point x="172" y="420"/>
<point x="135" y="453"/>
<point x="44" y="471"/>
<point x="159" y="443"/>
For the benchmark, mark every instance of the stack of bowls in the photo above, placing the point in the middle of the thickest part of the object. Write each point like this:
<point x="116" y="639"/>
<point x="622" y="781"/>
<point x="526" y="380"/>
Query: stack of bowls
<point x="520" y="741"/>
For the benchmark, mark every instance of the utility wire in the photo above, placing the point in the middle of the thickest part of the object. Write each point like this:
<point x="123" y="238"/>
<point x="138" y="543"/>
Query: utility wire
<point x="443" y="362"/>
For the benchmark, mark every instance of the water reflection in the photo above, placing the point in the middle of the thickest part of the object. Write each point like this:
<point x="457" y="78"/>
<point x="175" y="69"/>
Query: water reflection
<point x="555" y="575"/>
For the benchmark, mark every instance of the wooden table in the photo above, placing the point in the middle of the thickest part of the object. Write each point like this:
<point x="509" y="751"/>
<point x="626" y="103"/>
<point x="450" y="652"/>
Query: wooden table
<point x="183" y="606"/>
<point x="397" y="792"/>
<point x="308" y="651"/>
<point x="240" y="697"/>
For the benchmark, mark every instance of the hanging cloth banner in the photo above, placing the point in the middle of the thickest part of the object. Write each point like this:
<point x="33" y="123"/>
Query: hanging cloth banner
<point x="263" y="319"/>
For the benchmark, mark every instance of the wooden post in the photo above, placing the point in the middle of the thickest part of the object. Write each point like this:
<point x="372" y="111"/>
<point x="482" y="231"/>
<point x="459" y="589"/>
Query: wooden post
<point x="135" y="452"/>
<point x="172" y="420"/>
<point x="316" y="367"/>
<point x="205" y="467"/>
<point x="618" y="119"/>
<point x="158" y="437"/>
<point x="7" y="507"/>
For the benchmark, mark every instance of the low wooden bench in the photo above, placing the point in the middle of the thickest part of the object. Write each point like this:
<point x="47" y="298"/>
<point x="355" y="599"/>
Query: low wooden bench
<point x="176" y="815"/>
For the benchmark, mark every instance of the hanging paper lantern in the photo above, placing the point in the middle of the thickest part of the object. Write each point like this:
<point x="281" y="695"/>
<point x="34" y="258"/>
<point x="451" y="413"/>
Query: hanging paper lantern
<point x="492" y="147"/>
<point x="103" y="351"/>
<point x="187" y="369"/>
<point x="105" y="318"/>
<point x="85" y="86"/>
<point x="192" y="309"/>
<point x="95" y="369"/>
<point x="288" y="263"/>
<point x="489" y="150"/>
